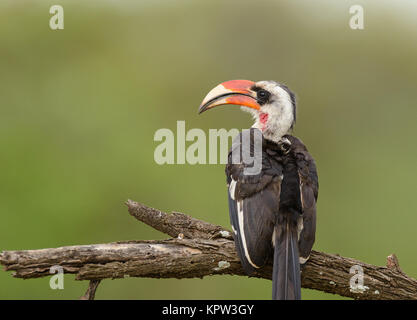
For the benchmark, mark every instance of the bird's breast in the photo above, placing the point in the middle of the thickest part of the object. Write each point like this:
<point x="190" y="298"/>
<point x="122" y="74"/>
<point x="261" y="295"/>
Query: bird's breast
<point x="290" y="200"/>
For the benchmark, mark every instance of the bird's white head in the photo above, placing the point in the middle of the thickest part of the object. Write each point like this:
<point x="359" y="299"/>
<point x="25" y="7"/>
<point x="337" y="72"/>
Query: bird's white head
<point x="271" y="104"/>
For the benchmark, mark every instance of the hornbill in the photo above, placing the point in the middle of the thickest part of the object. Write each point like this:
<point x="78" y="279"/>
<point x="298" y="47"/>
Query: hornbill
<point x="273" y="212"/>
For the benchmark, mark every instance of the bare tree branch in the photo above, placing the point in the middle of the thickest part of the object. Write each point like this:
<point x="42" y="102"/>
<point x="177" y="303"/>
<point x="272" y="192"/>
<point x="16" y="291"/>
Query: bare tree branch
<point x="200" y="249"/>
<point x="176" y="223"/>
<point x="91" y="290"/>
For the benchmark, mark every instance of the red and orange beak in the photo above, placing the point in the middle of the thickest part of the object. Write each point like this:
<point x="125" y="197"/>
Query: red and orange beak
<point x="233" y="92"/>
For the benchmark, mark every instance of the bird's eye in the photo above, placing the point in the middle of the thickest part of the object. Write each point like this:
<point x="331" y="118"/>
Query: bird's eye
<point x="263" y="95"/>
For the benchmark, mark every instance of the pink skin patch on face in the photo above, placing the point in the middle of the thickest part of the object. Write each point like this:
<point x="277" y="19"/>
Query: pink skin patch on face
<point x="263" y="118"/>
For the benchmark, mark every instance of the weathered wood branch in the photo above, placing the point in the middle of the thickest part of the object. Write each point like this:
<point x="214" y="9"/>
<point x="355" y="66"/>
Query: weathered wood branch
<point x="91" y="290"/>
<point x="199" y="249"/>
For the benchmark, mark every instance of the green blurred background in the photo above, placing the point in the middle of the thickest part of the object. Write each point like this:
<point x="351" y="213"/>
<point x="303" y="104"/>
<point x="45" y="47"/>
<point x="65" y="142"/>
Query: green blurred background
<point x="79" y="108"/>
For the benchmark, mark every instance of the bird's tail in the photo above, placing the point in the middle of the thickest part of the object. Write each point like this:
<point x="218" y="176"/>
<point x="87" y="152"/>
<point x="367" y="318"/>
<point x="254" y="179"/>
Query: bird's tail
<point x="286" y="278"/>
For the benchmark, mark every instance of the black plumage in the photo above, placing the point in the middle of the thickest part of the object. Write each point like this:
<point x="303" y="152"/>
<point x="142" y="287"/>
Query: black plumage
<point x="273" y="213"/>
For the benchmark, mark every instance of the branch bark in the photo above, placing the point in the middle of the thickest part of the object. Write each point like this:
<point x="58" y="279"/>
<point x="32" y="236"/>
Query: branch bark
<point x="91" y="290"/>
<point x="199" y="249"/>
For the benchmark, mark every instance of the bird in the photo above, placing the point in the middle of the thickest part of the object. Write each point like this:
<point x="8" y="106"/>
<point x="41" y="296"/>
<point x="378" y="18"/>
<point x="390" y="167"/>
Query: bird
<point x="272" y="212"/>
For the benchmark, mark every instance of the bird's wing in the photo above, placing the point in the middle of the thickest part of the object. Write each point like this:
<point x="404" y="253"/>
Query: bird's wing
<point x="253" y="201"/>
<point x="309" y="187"/>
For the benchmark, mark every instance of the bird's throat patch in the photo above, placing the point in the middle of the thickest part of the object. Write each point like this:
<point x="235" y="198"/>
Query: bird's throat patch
<point x="263" y="118"/>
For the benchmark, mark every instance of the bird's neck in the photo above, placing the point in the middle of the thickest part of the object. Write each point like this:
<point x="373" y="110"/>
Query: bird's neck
<point x="272" y="125"/>
<point x="274" y="132"/>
